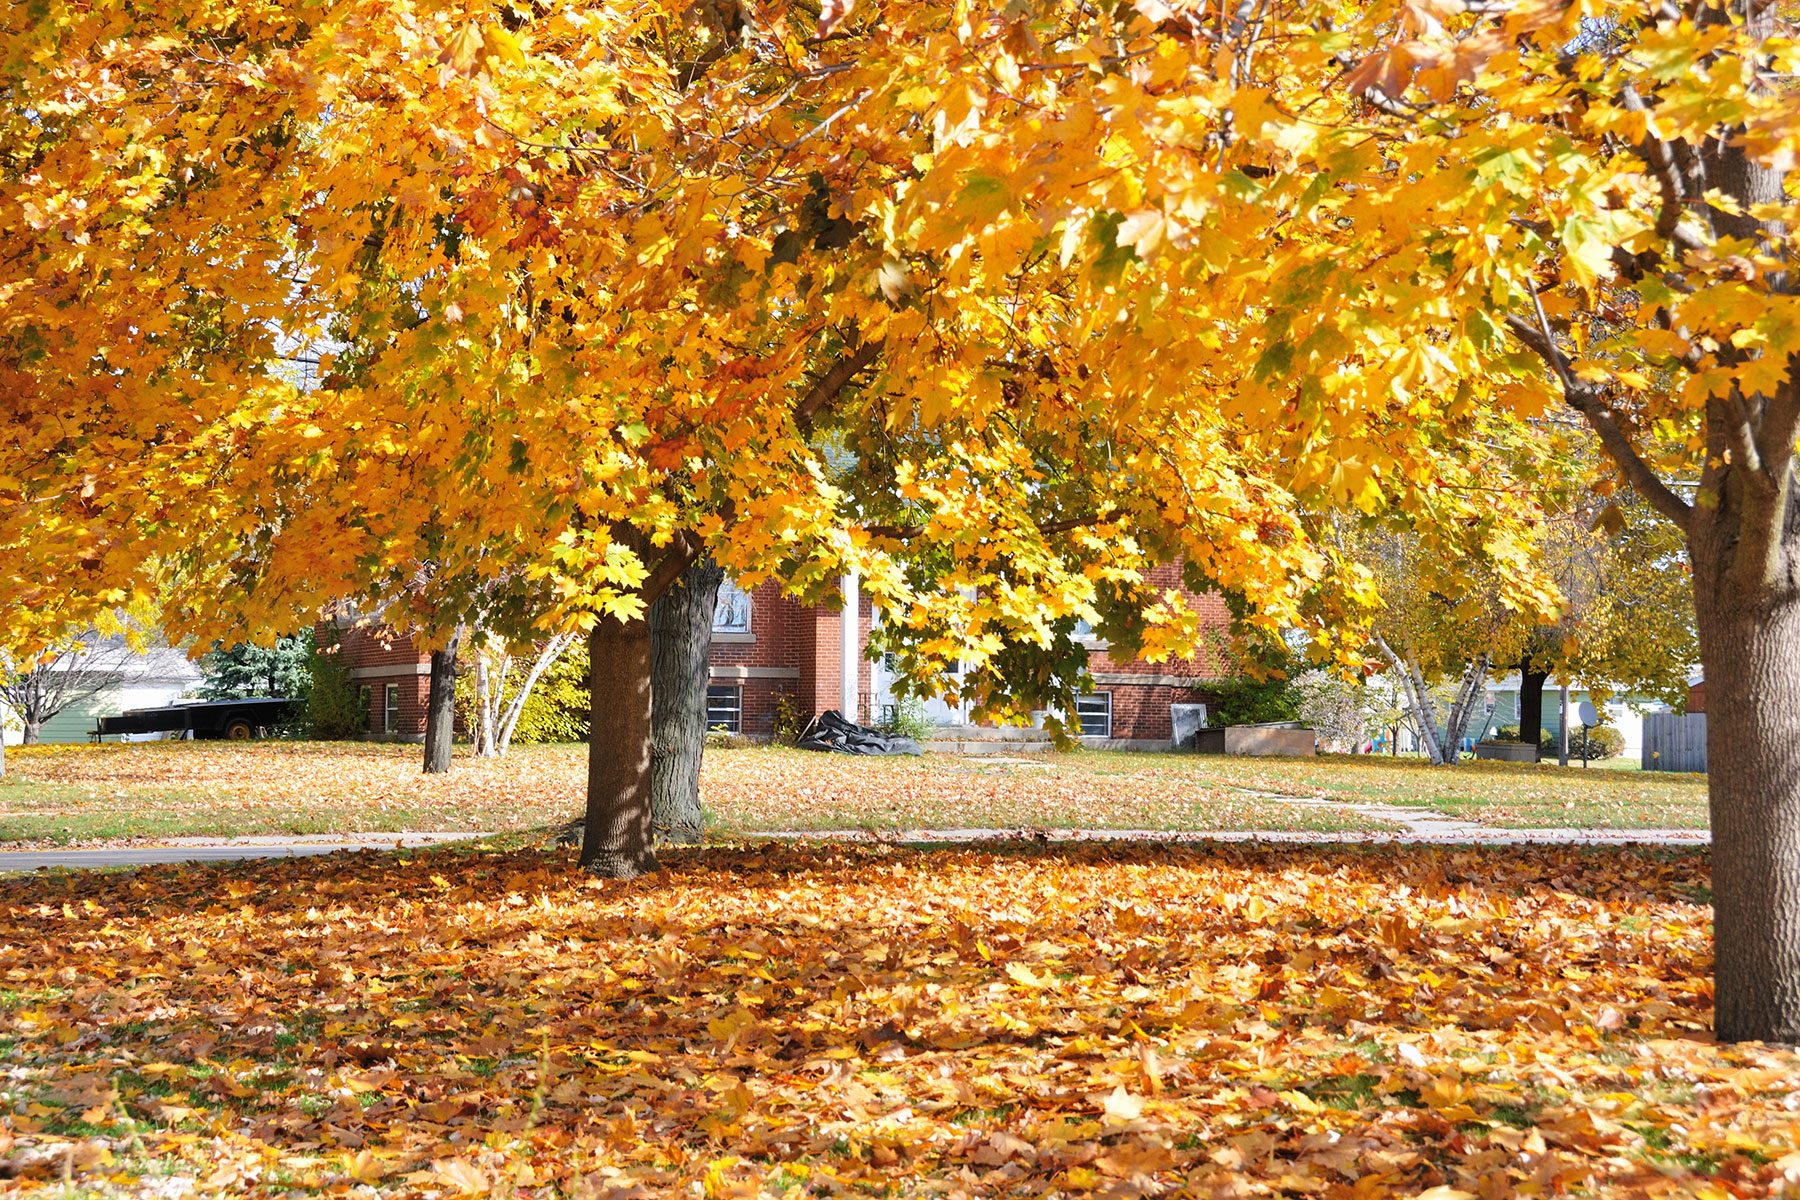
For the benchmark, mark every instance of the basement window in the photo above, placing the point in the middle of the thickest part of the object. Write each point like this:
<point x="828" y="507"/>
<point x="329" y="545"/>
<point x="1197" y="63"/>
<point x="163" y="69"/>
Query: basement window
<point x="725" y="707"/>
<point x="1095" y="714"/>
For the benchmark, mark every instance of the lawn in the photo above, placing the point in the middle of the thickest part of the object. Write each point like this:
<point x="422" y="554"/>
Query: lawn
<point x="861" y="1020"/>
<point x="90" y="793"/>
<point x="1508" y="795"/>
<point x="86" y="793"/>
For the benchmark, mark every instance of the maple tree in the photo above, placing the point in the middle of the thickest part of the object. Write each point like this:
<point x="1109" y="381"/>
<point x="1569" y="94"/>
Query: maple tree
<point x="653" y="336"/>
<point x="1112" y="288"/>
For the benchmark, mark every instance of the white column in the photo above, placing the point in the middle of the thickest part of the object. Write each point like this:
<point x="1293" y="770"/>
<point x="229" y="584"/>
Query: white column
<point x="849" y="647"/>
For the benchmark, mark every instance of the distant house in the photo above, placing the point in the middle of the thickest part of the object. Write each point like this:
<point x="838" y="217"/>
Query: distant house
<point x="766" y="644"/>
<point x="111" y="680"/>
<point x="1623" y="713"/>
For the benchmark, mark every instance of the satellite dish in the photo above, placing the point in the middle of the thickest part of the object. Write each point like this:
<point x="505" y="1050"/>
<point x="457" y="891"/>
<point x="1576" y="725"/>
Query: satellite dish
<point x="1588" y="715"/>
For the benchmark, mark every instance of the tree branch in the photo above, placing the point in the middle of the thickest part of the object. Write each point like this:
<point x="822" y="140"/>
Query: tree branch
<point x="825" y="390"/>
<point x="680" y="555"/>
<point x="1605" y="425"/>
<point x="907" y="532"/>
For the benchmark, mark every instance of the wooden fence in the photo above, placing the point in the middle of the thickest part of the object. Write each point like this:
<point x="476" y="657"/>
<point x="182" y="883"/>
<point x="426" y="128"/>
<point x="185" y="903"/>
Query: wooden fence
<point x="1674" y="743"/>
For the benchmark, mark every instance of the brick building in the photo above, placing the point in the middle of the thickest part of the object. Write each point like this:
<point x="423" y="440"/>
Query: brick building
<point x="767" y="645"/>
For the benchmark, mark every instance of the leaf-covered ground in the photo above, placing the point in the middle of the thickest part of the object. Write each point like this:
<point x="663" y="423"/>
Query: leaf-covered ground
<point x="80" y="793"/>
<point x="1080" y="1021"/>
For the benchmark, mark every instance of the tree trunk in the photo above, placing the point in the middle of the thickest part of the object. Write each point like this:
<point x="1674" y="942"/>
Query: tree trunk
<point x="484" y="713"/>
<point x="1751" y="648"/>
<point x="1531" y="703"/>
<point x="440" y="708"/>
<point x="681" y="624"/>
<point x="508" y="719"/>
<point x="33" y="731"/>
<point x="616" y="836"/>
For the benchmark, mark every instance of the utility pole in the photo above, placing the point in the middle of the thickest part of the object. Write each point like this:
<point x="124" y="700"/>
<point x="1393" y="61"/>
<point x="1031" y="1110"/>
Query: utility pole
<point x="1562" y="732"/>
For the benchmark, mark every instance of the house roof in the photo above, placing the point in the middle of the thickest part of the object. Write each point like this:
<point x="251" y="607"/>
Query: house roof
<point x="153" y="664"/>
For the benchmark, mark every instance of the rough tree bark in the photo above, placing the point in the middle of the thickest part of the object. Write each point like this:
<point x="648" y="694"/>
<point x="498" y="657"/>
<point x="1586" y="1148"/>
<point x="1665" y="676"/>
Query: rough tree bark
<point x="681" y="624"/>
<point x="33" y="731"/>
<point x="440" y="707"/>
<point x="616" y="839"/>
<point x="1750" y="645"/>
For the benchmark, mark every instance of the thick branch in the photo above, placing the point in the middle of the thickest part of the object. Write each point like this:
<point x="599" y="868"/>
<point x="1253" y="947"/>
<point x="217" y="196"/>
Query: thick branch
<point x="680" y="555"/>
<point x="907" y="532"/>
<point x="826" y="389"/>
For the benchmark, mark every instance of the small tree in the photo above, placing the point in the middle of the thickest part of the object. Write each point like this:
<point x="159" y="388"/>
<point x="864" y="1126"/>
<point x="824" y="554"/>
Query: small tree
<point x="71" y="673"/>
<point x="283" y="668"/>
<point x="503" y="690"/>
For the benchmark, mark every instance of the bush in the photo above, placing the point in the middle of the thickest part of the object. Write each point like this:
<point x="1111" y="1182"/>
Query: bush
<point x="789" y="724"/>
<point x="335" y="707"/>
<point x="1603" y="741"/>
<point x="908" y="719"/>
<point x="721" y="738"/>
<point x="1254" y="702"/>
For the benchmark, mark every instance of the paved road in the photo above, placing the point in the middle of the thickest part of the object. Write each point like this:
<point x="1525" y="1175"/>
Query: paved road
<point x="179" y="850"/>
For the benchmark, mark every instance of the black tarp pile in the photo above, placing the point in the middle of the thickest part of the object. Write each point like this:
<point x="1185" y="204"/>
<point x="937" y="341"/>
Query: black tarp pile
<point x="830" y="731"/>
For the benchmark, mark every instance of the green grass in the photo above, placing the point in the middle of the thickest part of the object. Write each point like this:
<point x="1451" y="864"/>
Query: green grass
<point x="1506" y="795"/>
<point x="87" y="794"/>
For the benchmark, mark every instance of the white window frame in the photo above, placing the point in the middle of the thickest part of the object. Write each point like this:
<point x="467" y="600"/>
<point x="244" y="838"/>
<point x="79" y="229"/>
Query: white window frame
<point x="390" y="708"/>
<point x="730" y="715"/>
<point x="1103" y="702"/>
<point x="733" y="601"/>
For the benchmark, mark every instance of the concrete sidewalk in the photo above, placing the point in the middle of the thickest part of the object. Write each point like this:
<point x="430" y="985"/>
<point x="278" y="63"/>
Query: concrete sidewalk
<point x="1420" y="831"/>
<point x="1460" y="835"/>
<point x="203" y="849"/>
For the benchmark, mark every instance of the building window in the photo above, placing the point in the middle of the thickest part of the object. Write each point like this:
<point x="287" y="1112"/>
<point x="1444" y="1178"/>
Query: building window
<point x="1095" y="714"/>
<point x="365" y="696"/>
<point x="390" y="716"/>
<point x="732" y="612"/>
<point x="725" y="707"/>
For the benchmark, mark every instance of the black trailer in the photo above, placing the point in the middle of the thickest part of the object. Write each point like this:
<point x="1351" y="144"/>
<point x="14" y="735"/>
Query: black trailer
<point x="238" y="720"/>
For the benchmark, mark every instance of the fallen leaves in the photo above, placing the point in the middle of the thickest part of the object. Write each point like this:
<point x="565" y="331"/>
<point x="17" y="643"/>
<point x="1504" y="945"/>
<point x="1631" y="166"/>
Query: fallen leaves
<point x="763" y="1020"/>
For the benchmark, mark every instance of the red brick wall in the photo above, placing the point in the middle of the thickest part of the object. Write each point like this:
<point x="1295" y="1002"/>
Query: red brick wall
<point x="793" y="636"/>
<point x="375" y="648"/>
<point x="1141" y="711"/>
